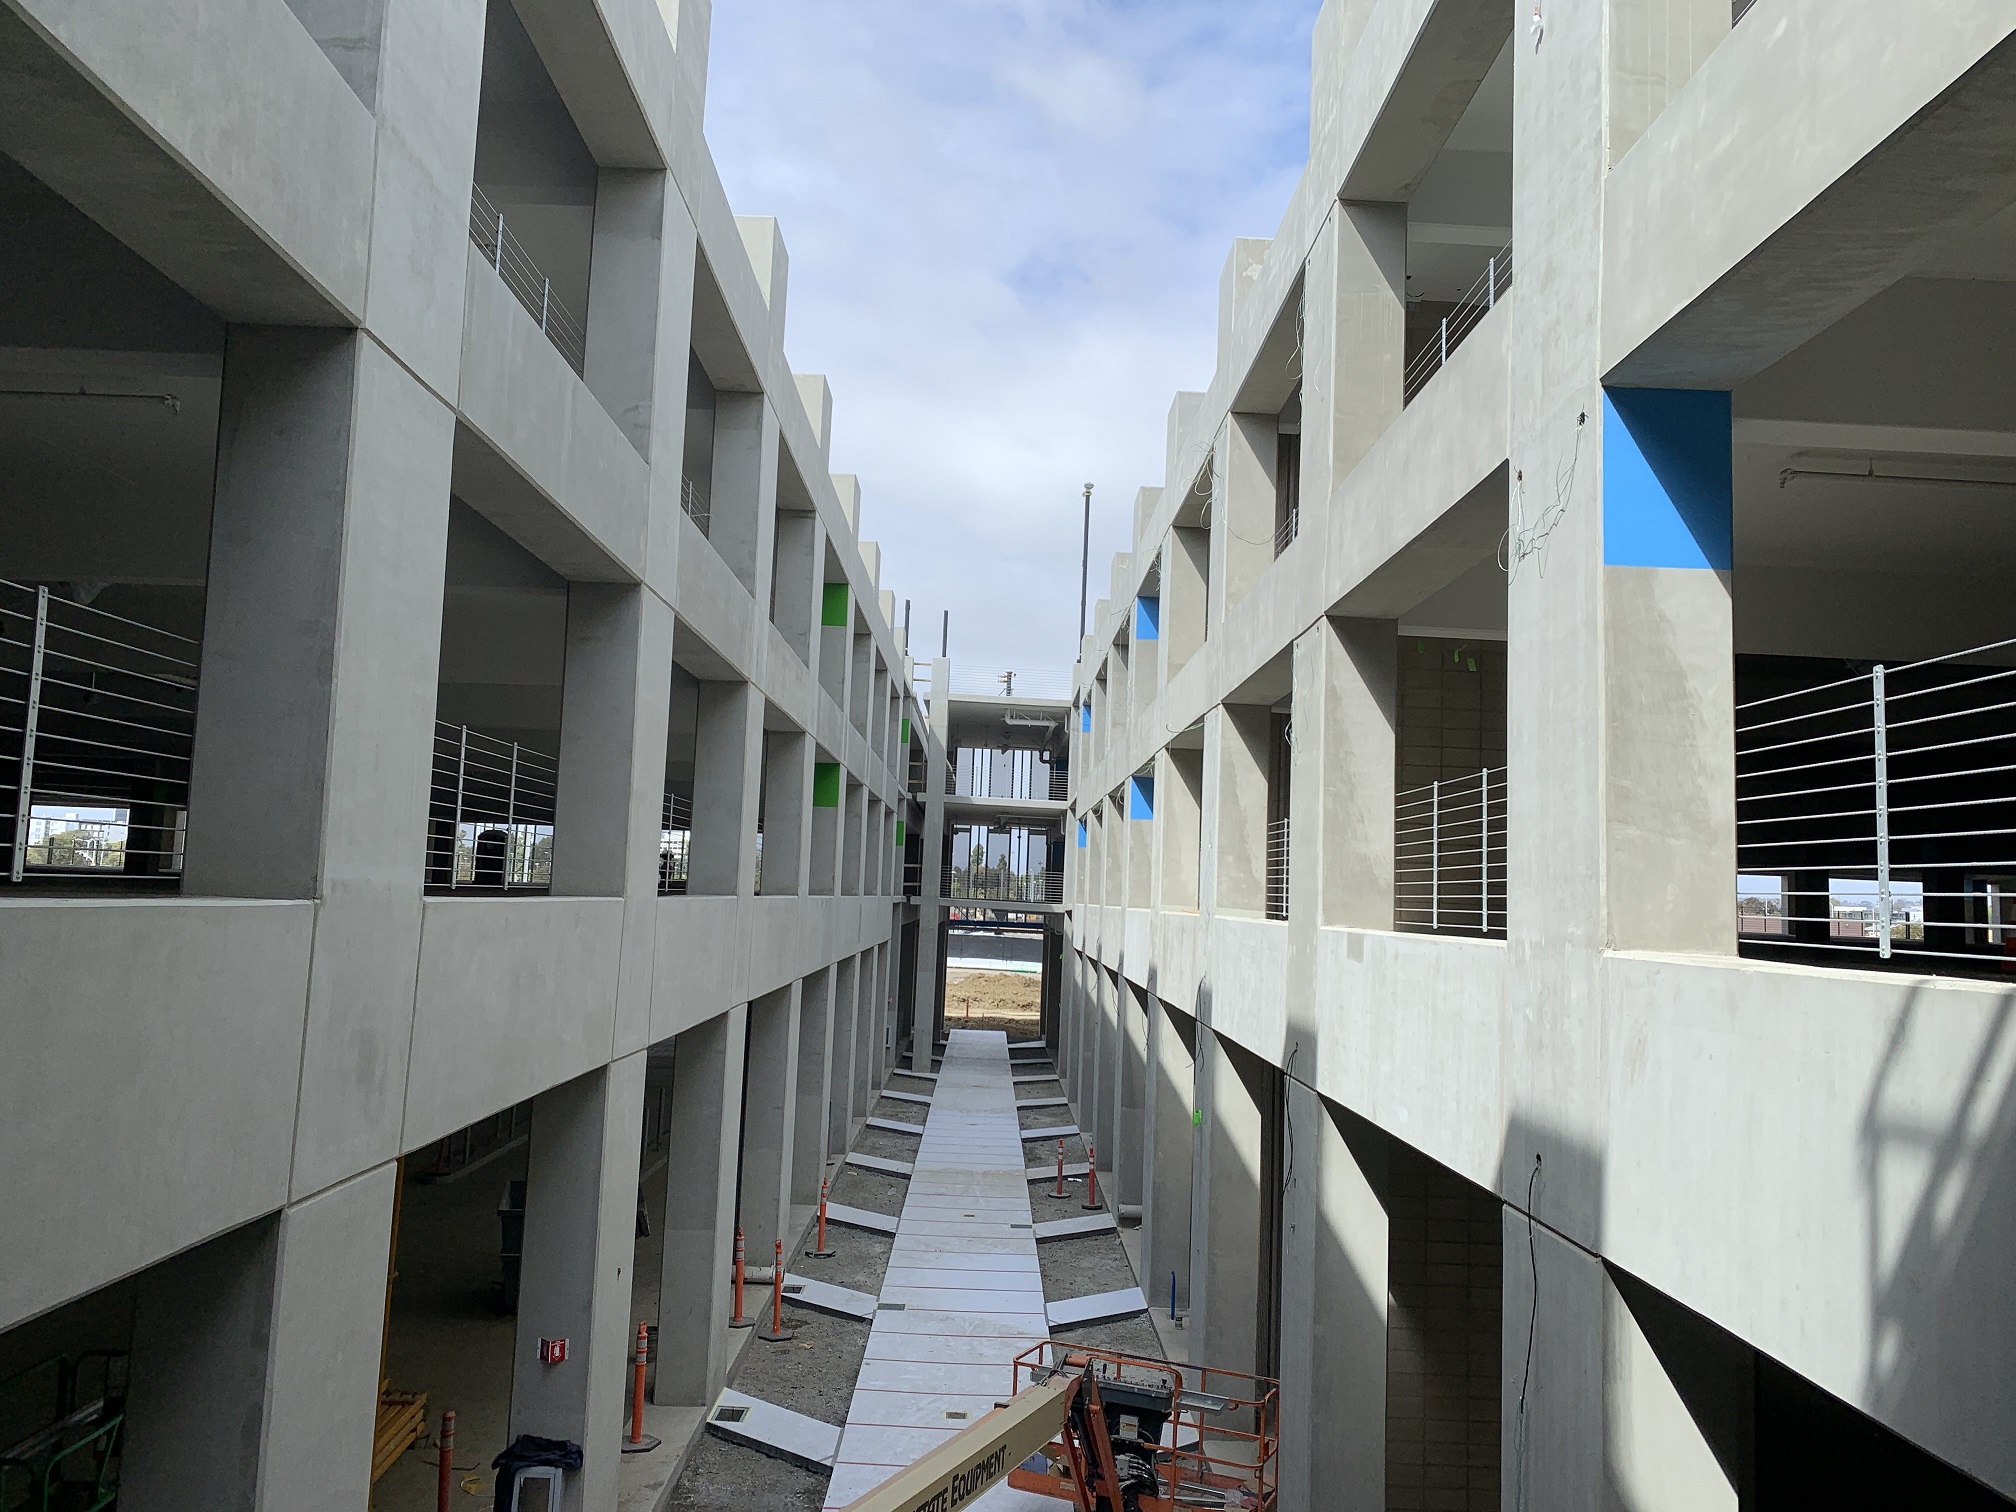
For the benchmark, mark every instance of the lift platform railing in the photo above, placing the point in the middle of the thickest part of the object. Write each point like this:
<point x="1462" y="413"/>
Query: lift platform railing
<point x="489" y="813"/>
<point x="521" y="275"/>
<point x="1876" y="815"/>
<point x="97" y="729"/>
<point x="1481" y="299"/>
<point x="1277" y="868"/>
<point x="1449" y="855"/>
<point x="1003" y="884"/>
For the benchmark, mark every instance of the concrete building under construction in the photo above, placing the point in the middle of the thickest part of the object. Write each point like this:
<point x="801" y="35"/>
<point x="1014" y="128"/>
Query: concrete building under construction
<point x="1519" y="890"/>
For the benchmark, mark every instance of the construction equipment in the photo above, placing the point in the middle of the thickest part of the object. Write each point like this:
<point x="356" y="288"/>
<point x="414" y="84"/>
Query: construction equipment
<point x="1106" y="1432"/>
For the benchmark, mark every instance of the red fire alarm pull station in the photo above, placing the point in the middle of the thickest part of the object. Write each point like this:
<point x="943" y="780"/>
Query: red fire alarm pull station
<point x="552" y="1351"/>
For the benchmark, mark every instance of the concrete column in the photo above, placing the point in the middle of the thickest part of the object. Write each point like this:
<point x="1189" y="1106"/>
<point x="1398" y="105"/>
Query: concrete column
<point x="794" y="590"/>
<point x="769" y="1120"/>
<point x="1236" y="816"/>
<point x="1354" y="340"/>
<point x="580" y="1242"/>
<point x="816" y="1084"/>
<point x="627" y="258"/>
<point x="787" y="813"/>
<point x="884" y="971"/>
<point x="1166" y="1197"/>
<point x="727" y="750"/>
<point x="1179" y="810"/>
<point x="1347" y="705"/>
<point x="868" y="1077"/>
<point x="875" y="850"/>
<point x="314" y="740"/>
<point x="836" y="640"/>
<point x="1128" y="1155"/>
<point x="1333" y="1309"/>
<point x="823" y="864"/>
<point x="1111" y="1010"/>
<point x="1679" y="1414"/>
<point x="844" y="1104"/>
<point x="700" y="1192"/>
<point x="745" y="488"/>
<point x="1186" y="593"/>
<point x="255" y="1362"/>
<point x="860" y="680"/>
<point x="616" y="703"/>
<point x="1243" y="511"/>
<point x="853" y="839"/>
<point x="1228" y="1212"/>
<point x="1140" y="839"/>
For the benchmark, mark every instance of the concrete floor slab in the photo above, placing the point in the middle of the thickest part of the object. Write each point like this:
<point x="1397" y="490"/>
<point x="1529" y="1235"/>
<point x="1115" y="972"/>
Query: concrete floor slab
<point x="861" y="1218"/>
<point x="823" y="1296"/>
<point x="879" y="1163"/>
<point x="1101" y="1307"/>
<point x="1055" y="1131"/>
<point x="773" y="1430"/>
<point x="1072" y="1228"/>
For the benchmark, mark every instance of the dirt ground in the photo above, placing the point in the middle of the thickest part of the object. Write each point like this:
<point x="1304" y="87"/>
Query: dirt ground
<point x="1006" y="1000"/>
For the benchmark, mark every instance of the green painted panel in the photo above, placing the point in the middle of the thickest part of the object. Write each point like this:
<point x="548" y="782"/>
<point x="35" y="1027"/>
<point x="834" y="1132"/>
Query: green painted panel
<point x="901" y="831"/>
<point x="833" y="607"/>
<point x="906" y="730"/>
<point x="826" y="784"/>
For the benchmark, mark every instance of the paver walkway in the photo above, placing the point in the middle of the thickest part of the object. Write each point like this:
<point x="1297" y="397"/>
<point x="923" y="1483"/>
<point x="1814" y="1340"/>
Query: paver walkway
<point x="964" y="1272"/>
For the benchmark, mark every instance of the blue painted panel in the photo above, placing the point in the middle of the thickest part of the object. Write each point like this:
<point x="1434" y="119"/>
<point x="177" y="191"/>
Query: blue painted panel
<point x="1147" y="618"/>
<point x="1085" y="717"/>
<point x="1140" y="797"/>
<point x="1667" y="478"/>
<point x="1081" y="834"/>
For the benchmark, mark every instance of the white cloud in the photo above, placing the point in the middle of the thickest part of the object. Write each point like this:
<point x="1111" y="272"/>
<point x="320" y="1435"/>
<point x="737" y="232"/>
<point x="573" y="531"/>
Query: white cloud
<point x="1006" y="220"/>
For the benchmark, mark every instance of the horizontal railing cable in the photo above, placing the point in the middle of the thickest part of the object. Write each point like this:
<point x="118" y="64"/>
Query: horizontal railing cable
<point x="1449" y="855"/>
<point x="522" y="276"/>
<point x="1481" y="298"/>
<point x="490" y="812"/>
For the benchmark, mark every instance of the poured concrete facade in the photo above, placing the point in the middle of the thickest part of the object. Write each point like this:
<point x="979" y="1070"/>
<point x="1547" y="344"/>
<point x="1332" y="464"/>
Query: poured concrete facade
<point x="1727" y="1185"/>
<point x="209" y="1085"/>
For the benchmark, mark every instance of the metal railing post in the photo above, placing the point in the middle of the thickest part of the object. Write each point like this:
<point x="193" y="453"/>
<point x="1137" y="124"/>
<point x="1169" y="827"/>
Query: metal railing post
<point x="498" y="261"/>
<point x="511" y="821"/>
<point x="1435" y="855"/>
<point x="1491" y="285"/>
<point x="1445" y="342"/>
<point x="455" y="837"/>
<point x="545" y="300"/>
<point x="1484" y="852"/>
<point x="24" y="797"/>
<point x="1882" y="733"/>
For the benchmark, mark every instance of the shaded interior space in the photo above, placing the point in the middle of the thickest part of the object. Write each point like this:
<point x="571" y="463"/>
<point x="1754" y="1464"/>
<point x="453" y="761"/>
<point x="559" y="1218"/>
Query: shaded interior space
<point x="721" y="460"/>
<point x="452" y="1295"/>
<point x="1776" y="1440"/>
<point x="682" y="732"/>
<point x="1874" y="535"/>
<point x="1459" y="228"/>
<point x="1443" y="1345"/>
<point x="110" y="384"/>
<point x="1265" y="516"/>
<point x="63" y="1397"/>
<point x="532" y="208"/>
<point x="496" y="763"/>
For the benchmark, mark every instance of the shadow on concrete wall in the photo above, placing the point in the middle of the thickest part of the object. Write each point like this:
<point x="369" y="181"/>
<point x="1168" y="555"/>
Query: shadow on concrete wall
<point x="1939" y="1175"/>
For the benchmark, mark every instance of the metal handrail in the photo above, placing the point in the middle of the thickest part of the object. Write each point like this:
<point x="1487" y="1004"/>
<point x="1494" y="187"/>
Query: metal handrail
<point x="521" y="275"/>
<point x="675" y="844"/>
<point x="1277" y="869"/>
<point x="1876" y="814"/>
<point x="97" y="734"/>
<point x="490" y="813"/>
<point x="1449" y="855"/>
<point x="1481" y="299"/>
<point x="1002" y="884"/>
<point x="697" y="508"/>
<point x="997" y="682"/>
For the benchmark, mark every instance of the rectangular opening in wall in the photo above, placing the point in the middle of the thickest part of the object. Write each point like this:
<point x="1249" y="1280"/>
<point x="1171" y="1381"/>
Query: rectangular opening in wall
<point x="496" y="770"/>
<point x="110" y="394"/>
<point x="532" y="207"/>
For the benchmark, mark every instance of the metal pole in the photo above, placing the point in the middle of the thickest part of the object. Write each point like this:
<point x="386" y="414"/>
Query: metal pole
<point x="945" y="636"/>
<point x="1435" y="855"/>
<point x="1491" y="284"/>
<point x="1484" y="854"/>
<point x="444" y="1488"/>
<point x="546" y="301"/>
<point x="499" y="263"/>
<point x="1881" y="724"/>
<point x="455" y="839"/>
<point x="24" y="796"/>
<point x="906" y="624"/>
<point x="511" y="817"/>
<point x="1445" y="338"/>
<point x="1084" y="566"/>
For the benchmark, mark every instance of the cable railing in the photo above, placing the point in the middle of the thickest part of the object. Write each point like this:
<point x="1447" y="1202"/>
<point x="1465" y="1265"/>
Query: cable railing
<point x="1277" y="869"/>
<point x="1876" y="815"/>
<point x="996" y="682"/>
<point x="489" y="813"/>
<point x="1458" y="323"/>
<point x="1001" y="884"/>
<point x="1288" y="529"/>
<point x="1449" y="855"/>
<point x="696" y="504"/>
<point x="522" y="277"/>
<point x="979" y="772"/>
<point x="675" y="844"/>
<point x="97" y="727"/>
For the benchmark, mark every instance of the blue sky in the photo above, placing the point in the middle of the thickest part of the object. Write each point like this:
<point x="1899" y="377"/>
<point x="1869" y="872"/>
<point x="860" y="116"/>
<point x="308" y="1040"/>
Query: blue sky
<point x="1006" y="220"/>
